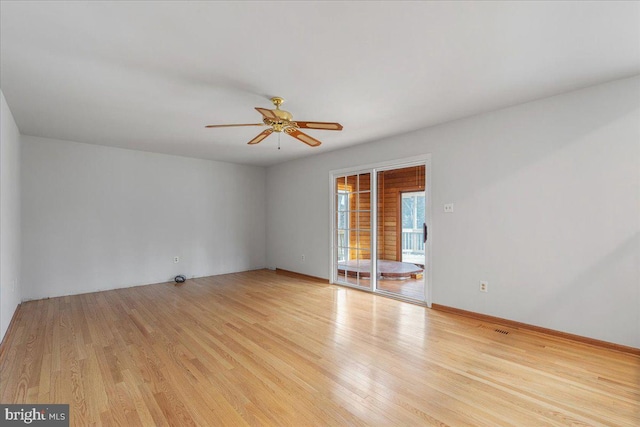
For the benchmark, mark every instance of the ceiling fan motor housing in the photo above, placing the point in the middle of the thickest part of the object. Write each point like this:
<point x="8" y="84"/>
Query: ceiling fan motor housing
<point x="284" y="115"/>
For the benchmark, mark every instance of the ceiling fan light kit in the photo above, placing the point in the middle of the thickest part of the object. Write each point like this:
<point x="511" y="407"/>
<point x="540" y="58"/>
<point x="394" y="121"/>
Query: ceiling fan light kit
<point x="282" y="121"/>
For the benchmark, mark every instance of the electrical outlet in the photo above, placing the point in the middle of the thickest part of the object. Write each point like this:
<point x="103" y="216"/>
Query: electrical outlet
<point x="303" y="258"/>
<point x="176" y="259"/>
<point x="448" y="207"/>
<point x="484" y="286"/>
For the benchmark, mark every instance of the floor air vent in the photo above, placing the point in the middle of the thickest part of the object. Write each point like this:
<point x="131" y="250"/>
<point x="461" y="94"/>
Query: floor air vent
<point x="502" y="331"/>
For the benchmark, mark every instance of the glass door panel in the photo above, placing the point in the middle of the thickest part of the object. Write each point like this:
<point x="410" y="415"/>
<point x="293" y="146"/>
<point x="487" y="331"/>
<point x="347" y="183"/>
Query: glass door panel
<point x="352" y="238"/>
<point x="400" y="258"/>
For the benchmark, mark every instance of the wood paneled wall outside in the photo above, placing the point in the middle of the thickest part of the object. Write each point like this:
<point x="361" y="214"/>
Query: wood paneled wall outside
<point x="361" y="218"/>
<point x="391" y="185"/>
<point x="259" y="348"/>
<point x="359" y="189"/>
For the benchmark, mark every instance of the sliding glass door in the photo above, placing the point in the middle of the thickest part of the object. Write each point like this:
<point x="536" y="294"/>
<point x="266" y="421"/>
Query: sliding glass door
<point x="382" y="210"/>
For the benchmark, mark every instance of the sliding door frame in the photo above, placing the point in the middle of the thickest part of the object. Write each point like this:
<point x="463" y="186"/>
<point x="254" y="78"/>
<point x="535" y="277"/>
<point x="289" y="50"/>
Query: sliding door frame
<point x="373" y="170"/>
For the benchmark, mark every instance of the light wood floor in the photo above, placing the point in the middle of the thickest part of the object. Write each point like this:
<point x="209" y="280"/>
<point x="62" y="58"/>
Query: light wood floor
<point x="261" y="348"/>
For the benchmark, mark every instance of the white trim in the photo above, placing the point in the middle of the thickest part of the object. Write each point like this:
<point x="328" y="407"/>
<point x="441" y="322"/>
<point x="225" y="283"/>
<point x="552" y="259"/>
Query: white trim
<point x="332" y="228"/>
<point x="386" y="165"/>
<point x="428" y="258"/>
<point x="373" y="207"/>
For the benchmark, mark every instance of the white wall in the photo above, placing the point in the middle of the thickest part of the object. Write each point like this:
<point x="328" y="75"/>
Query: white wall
<point x="10" y="284"/>
<point x="547" y="209"/>
<point x="98" y="218"/>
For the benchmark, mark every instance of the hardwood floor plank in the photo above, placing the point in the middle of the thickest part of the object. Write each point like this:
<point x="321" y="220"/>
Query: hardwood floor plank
<point x="260" y="348"/>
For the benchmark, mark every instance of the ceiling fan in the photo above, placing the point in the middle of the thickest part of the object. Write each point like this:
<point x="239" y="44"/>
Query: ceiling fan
<point x="282" y="121"/>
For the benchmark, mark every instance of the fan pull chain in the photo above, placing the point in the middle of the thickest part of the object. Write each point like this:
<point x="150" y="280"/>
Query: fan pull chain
<point x="278" y="140"/>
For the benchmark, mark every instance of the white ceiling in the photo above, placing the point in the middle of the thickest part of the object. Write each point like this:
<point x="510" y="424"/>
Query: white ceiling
<point x="150" y="75"/>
